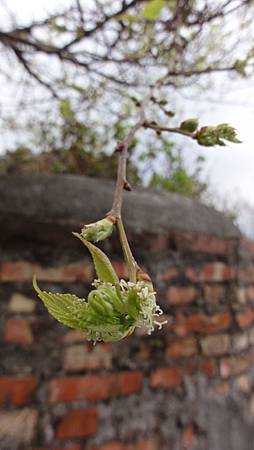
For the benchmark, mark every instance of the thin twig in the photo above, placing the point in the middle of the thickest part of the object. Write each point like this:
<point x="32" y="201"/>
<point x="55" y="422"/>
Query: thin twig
<point x="116" y="211"/>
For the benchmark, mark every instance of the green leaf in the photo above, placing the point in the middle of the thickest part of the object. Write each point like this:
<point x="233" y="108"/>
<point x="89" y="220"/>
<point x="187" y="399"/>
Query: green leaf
<point x="65" y="109"/>
<point x="152" y="9"/>
<point x="105" y="271"/>
<point x="66" y="308"/>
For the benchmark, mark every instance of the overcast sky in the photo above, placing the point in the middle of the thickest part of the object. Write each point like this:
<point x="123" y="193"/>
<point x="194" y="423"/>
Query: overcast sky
<point x="230" y="169"/>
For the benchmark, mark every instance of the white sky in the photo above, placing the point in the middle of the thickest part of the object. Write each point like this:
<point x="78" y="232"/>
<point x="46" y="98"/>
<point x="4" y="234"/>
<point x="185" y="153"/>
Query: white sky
<point x="230" y="169"/>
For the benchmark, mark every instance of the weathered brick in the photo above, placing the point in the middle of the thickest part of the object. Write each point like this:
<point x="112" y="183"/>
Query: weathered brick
<point x="214" y="293"/>
<point x="240" y="342"/>
<point x="201" y="323"/>
<point x="169" y="274"/>
<point x="244" y="383"/>
<point x="18" y="331"/>
<point x="121" y="269"/>
<point x="19" y="303"/>
<point x="160" y="243"/>
<point x="69" y="389"/>
<point x="247" y="246"/>
<point x="78" y="357"/>
<point x="251" y="336"/>
<point x="170" y="377"/>
<point x="142" y="444"/>
<point x="235" y="365"/>
<point x="207" y="367"/>
<point x="77" y="424"/>
<point x="249" y="292"/>
<point x="246" y="274"/>
<point x="214" y="271"/>
<point x="17" y="390"/>
<point x="181" y="295"/>
<point x="188" y="437"/>
<point x="212" y="245"/>
<point x="24" y="271"/>
<point x="109" y="446"/>
<point x="215" y="345"/>
<point x="167" y="378"/>
<point x="73" y="336"/>
<point x="241" y="295"/>
<point x="19" y="427"/>
<point x="72" y="447"/>
<point x="182" y="348"/>
<point x="222" y="389"/>
<point x="245" y="318"/>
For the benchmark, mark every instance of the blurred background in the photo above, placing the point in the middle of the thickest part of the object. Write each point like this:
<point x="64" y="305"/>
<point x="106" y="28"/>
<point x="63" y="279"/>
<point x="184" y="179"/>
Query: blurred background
<point x="73" y="74"/>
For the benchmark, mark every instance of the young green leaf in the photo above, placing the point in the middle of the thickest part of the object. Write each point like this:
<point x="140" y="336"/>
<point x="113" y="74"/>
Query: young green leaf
<point x="66" y="308"/>
<point x="152" y="9"/>
<point x="189" y="125"/>
<point x="103" y="266"/>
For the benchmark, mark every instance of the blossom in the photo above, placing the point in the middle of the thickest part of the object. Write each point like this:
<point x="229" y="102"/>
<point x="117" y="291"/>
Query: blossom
<point x="113" y="309"/>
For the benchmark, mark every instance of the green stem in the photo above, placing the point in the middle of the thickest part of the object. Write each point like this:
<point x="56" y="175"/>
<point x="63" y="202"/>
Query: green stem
<point x="131" y="263"/>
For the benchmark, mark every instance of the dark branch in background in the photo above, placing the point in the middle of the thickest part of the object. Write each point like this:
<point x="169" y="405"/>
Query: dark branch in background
<point x="82" y="24"/>
<point x="33" y="74"/>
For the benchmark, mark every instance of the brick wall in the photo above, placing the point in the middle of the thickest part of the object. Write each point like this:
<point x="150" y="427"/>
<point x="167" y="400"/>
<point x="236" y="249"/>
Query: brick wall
<point x="187" y="386"/>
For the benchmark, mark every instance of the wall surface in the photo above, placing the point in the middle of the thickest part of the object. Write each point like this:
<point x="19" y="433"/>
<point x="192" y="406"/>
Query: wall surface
<point x="186" y="387"/>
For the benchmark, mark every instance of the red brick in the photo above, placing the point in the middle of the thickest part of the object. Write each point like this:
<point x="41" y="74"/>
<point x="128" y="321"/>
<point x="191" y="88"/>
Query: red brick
<point x="207" y="367"/>
<point x="236" y="365"/>
<point x="222" y="389"/>
<point x="214" y="293"/>
<point x="77" y="424"/>
<point x="215" y="345"/>
<point x="80" y="357"/>
<point x="121" y="269"/>
<point x="212" y="245"/>
<point x="73" y="336"/>
<point x="169" y="274"/>
<point x="249" y="292"/>
<point x="215" y="271"/>
<point x="181" y="295"/>
<point x="182" y="348"/>
<point x="17" y="390"/>
<point x="245" y="318"/>
<point x="78" y="271"/>
<point x="170" y="377"/>
<point x="167" y="378"/>
<point x="201" y="323"/>
<point x="246" y="274"/>
<point x="188" y="437"/>
<point x="18" y="331"/>
<point x="251" y="336"/>
<point x="160" y="244"/>
<point x="18" y="426"/>
<point x="146" y="444"/>
<point x="72" y="447"/>
<point x="24" y="271"/>
<point x="69" y="389"/>
<point x="247" y="246"/>
<point x="130" y="382"/>
<point x="142" y="444"/>
<point x="109" y="446"/>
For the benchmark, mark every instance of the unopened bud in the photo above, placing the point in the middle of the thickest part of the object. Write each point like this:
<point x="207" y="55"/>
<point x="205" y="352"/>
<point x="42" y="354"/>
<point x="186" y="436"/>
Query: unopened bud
<point x="189" y="125"/>
<point x="98" y="231"/>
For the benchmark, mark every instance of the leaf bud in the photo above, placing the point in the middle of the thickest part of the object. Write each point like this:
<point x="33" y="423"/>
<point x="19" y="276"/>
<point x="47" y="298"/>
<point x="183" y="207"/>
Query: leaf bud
<point x="98" y="231"/>
<point x="189" y="125"/>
